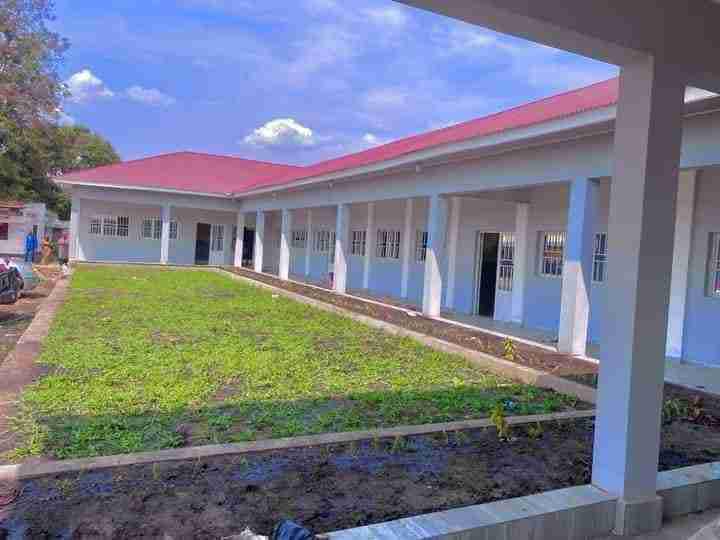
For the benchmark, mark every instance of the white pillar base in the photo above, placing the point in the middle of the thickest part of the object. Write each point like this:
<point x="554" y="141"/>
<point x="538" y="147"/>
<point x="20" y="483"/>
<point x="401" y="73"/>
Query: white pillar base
<point x="284" y="268"/>
<point x="237" y="262"/>
<point x="639" y="516"/>
<point x="407" y="251"/>
<point x="259" y="239"/>
<point x="165" y="234"/>
<point x="433" y="285"/>
<point x="342" y="233"/>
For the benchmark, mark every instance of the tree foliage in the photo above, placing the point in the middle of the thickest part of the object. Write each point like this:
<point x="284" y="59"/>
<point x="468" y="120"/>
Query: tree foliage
<point x="33" y="148"/>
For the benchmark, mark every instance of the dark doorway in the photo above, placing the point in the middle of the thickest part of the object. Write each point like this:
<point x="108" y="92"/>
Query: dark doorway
<point x="202" y="244"/>
<point x="248" y="245"/>
<point x="488" y="244"/>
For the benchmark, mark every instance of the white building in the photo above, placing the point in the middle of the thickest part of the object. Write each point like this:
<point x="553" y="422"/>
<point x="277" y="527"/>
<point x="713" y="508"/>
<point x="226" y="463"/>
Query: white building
<point x="17" y="219"/>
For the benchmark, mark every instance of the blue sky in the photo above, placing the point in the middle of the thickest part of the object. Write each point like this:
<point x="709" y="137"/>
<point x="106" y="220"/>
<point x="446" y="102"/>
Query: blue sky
<point x="291" y="81"/>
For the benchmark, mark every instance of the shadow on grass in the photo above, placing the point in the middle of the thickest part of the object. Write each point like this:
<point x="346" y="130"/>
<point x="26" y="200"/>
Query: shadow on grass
<point x="235" y="420"/>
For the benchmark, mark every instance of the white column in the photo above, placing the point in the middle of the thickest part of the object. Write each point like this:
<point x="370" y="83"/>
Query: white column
<point x="642" y="220"/>
<point x="681" y="262"/>
<point x="520" y="259"/>
<point x="259" y="239"/>
<point x="577" y="268"/>
<point x="342" y="233"/>
<point x="308" y="242"/>
<point x="369" y="244"/>
<point x="408" y="239"/>
<point x="75" y="251"/>
<point x="239" y="240"/>
<point x="433" y="284"/>
<point x="165" y="234"/>
<point x="453" y="230"/>
<point x="285" y="225"/>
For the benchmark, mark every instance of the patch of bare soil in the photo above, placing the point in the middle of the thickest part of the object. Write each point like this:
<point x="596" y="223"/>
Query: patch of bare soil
<point x="534" y="357"/>
<point x="325" y="488"/>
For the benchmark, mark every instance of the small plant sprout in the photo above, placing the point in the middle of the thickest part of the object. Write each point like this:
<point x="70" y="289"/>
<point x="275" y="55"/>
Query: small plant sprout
<point x="509" y="349"/>
<point x="674" y="409"/>
<point x="535" y="431"/>
<point x="398" y="444"/>
<point x="461" y="437"/>
<point x="156" y="471"/>
<point x="497" y="417"/>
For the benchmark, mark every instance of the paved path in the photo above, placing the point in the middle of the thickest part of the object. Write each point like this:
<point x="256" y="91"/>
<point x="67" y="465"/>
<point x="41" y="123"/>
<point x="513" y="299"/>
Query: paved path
<point x="19" y="368"/>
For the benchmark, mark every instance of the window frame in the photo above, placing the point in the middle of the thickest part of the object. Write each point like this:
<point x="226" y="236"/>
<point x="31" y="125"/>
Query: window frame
<point x="600" y="258"/>
<point x="298" y="238"/>
<point x="506" y="263"/>
<point x="358" y="242"/>
<point x="712" y="287"/>
<point x="324" y="241"/>
<point x="549" y="258"/>
<point x="109" y="226"/>
<point x="388" y="244"/>
<point x="421" y="245"/>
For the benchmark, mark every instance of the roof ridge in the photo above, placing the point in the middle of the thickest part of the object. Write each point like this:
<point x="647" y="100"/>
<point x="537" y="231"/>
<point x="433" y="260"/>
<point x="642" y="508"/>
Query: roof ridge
<point x="228" y="156"/>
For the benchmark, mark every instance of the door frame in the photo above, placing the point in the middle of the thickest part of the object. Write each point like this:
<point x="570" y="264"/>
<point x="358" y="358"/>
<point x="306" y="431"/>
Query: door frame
<point x="477" y="270"/>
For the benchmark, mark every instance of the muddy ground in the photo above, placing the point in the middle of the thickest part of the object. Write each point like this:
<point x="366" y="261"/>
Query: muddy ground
<point x="535" y="357"/>
<point x="326" y="488"/>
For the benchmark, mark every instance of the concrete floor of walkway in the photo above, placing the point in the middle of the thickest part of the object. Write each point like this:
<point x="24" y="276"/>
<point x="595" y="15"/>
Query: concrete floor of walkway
<point x="683" y="528"/>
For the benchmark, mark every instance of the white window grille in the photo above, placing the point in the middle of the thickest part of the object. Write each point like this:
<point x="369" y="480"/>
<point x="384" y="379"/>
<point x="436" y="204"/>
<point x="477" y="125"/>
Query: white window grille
<point x="109" y="226"/>
<point x="123" y="226"/>
<point x="600" y="258"/>
<point x="95" y="225"/>
<point x="388" y="244"/>
<point x="714" y="266"/>
<point x="218" y="239"/>
<point x="359" y="242"/>
<point x="421" y="244"/>
<point x="174" y="230"/>
<point x="299" y="238"/>
<point x="552" y="255"/>
<point x="151" y="228"/>
<point x="324" y="241"/>
<point x="506" y="262"/>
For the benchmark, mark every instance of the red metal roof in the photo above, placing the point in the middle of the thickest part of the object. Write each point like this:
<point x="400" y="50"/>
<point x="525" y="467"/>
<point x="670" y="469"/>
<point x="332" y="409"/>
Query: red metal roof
<point x="205" y="173"/>
<point x="183" y="171"/>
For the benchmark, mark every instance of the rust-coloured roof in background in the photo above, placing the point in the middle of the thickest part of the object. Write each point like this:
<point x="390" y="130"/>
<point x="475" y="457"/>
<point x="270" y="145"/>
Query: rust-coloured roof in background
<point x="205" y="173"/>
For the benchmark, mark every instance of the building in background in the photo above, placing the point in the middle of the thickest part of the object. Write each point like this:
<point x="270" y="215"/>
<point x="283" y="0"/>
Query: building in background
<point x="17" y="219"/>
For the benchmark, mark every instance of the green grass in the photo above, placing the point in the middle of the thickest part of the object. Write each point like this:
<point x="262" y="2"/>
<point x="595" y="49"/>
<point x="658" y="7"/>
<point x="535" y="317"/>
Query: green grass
<point x="147" y="358"/>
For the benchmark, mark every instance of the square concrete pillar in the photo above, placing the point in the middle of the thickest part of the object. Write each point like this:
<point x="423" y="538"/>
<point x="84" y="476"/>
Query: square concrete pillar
<point x="520" y="259"/>
<point x="165" y="234"/>
<point x="239" y="240"/>
<point x="685" y="209"/>
<point x="433" y="284"/>
<point x="259" y="240"/>
<point x="308" y="242"/>
<point x="407" y="248"/>
<point x="642" y="219"/>
<point x="342" y="239"/>
<point x="369" y="244"/>
<point x="75" y="251"/>
<point x="452" y="234"/>
<point x="578" y="267"/>
<point x="285" y="226"/>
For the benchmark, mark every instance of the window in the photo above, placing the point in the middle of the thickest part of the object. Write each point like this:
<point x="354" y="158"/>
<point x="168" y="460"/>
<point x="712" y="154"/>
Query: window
<point x="359" y="241"/>
<point x="421" y="243"/>
<point x="174" y="230"/>
<point x="506" y="262"/>
<point x="600" y="258"/>
<point x="553" y="251"/>
<point x="218" y="238"/>
<point x="4" y="231"/>
<point x="324" y="241"/>
<point x="123" y="226"/>
<point x="388" y="244"/>
<point x="299" y="238"/>
<point x="151" y="229"/>
<point x="109" y="226"/>
<point x="714" y="266"/>
<point x="95" y="225"/>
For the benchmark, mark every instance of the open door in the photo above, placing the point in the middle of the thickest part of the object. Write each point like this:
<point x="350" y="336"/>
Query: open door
<point x="202" y="244"/>
<point x="486" y="273"/>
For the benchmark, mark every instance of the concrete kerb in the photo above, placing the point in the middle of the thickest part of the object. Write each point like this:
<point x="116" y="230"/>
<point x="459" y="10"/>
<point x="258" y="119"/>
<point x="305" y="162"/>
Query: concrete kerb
<point x="25" y="472"/>
<point x="491" y="363"/>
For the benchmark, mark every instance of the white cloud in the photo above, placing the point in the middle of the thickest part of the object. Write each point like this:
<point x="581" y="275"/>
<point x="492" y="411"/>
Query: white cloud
<point x="64" y="119"/>
<point x="285" y="132"/>
<point x="149" y="96"/>
<point x="323" y="47"/>
<point x="85" y="86"/>
<point x="389" y="16"/>
<point x="370" y="138"/>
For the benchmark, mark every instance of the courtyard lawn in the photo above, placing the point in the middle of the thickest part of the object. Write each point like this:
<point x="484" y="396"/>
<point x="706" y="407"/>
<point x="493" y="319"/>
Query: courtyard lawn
<point x="144" y="358"/>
